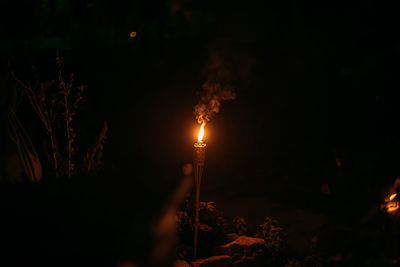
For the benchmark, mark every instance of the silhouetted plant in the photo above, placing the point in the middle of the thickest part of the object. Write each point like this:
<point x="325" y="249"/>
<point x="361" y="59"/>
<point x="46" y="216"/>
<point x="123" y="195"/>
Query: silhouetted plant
<point x="239" y="225"/>
<point x="273" y="236"/>
<point x="94" y="156"/>
<point x="44" y="106"/>
<point x="213" y="217"/>
<point x="210" y="217"/>
<point x="26" y="150"/>
<point x="70" y="99"/>
<point x="61" y="96"/>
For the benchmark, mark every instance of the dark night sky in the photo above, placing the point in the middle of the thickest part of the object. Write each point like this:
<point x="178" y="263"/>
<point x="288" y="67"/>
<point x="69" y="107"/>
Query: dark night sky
<point x="322" y="80"/>
<point x="316" y="83"/>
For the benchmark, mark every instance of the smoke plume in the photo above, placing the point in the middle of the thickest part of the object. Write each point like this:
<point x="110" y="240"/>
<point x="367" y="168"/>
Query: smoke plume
<point x="224" y="70"/>
<point x="210" y="102"/>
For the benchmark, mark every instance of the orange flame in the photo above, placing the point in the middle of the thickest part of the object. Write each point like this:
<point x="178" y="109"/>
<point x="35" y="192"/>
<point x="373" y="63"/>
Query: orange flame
<point x="392" y="196"/>
<point x="201" y="133"/>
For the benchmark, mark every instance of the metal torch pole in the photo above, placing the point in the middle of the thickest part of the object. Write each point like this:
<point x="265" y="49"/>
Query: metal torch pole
<point x="198" y="160"/>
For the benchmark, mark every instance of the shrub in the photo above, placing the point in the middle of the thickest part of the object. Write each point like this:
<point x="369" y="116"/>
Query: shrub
<point x="272" y="234"/>
<point x="239" y="225"/>
<point x="208" y="215"/>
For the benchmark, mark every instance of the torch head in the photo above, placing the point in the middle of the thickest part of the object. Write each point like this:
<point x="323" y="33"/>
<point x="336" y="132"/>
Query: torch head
<point x="199" y="153"/>
<point x="199" y="148"/>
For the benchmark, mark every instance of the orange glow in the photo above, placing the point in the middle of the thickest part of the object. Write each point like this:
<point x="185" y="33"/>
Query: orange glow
<point x="392" y="206"/>
<point x="132" y="34"/>
<point x="201" y="133"/>
<point x="390" y="197"/>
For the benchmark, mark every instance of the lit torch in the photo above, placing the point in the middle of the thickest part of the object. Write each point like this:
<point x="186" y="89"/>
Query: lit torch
<point x="199" y="154"/>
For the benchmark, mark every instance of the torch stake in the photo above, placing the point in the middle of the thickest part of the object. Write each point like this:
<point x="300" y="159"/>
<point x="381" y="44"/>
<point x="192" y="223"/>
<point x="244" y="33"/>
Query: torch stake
<point x="198" y="162"/>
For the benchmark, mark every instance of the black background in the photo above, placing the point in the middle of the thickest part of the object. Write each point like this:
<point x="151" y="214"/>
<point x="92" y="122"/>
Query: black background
<point x="323" y="85"/>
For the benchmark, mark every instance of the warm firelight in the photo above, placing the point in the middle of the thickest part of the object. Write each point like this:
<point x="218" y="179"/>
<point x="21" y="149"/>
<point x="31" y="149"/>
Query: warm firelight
<point x="392" y="204"/>
<point x="199" y="153"/>
<point x="201" y="133"/>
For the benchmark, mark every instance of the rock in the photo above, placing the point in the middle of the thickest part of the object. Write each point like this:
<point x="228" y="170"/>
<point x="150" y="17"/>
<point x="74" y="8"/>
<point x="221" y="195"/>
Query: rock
<point x="246" y="262"/>
<point x="243" y="245"/>
<point x="205" y="228"/>
<point x="231" y="237"/>
<point x="214" y="261"/>
<point x="181" y="263"/>
<point x="245" y="251"/>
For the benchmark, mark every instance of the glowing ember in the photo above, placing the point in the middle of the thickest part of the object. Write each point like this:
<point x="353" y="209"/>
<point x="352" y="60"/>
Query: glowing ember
<point x="201" y="133"/>
<point x="392" y="206"/>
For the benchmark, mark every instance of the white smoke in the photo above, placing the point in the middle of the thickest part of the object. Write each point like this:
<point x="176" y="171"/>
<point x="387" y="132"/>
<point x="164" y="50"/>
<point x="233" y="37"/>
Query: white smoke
<point x="224" y="69"/>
